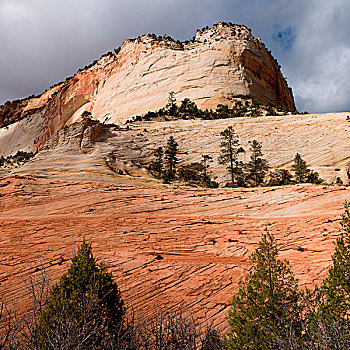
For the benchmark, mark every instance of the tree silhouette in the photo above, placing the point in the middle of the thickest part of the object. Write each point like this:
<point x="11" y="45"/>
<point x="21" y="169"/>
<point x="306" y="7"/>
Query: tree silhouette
<point x="258" y="166"/>
<point x="300" y="168"/>
<point x="171" y="159"/>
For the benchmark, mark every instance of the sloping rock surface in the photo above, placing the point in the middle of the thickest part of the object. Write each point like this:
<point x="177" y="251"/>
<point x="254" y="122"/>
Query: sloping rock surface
<point x="167" y="245"/>
<point x="322" y="140"/>
<point x="174" y="247"/>
<point x="219" y="65"/>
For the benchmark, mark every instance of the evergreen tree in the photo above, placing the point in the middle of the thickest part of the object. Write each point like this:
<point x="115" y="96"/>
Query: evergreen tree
<point x="280" y="177"/>
<point x="189" y="108"/>
<point x="171" y="106"/>
<point x="84" y="309"/>
<point x="171" y="159"/>
<point x="334" y="293"/>
<point x="300" y="168"/>
<point x="229" y="152"/>
<point x="157" y="164"/>
<point x="266" y="301"/>
<point x="206" y="158"/>
<point x="258" y="166"/>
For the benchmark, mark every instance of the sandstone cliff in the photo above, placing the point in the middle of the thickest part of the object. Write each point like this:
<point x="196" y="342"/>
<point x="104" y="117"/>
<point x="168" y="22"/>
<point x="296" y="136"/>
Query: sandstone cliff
<point x="220" y="64"/>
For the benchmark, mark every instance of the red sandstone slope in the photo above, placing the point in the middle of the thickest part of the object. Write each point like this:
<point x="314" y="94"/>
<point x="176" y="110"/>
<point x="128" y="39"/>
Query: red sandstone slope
<point x="204" y="236"/>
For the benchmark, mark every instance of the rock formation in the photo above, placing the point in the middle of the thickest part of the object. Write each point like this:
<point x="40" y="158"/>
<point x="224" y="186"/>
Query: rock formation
<point x="322" y="141"/>
<point x="221" y="64"/>
<point x="204" y="236"/>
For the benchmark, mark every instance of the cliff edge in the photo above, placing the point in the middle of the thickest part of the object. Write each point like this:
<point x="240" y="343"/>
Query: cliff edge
<point x="218" y="66"/>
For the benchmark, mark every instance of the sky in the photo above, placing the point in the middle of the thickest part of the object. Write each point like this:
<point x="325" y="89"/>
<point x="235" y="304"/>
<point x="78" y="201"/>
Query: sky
<point x="44" y="41"/>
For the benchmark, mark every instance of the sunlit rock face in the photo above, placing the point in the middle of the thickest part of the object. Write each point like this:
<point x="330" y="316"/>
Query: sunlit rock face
<point x="220" y="64"/>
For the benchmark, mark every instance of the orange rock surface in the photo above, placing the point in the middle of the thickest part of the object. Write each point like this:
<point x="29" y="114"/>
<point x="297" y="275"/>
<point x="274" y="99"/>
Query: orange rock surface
<point x="171" y="246"/>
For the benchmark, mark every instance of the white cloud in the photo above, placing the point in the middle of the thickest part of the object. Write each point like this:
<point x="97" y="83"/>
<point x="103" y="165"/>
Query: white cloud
<point x="43" y="41"/>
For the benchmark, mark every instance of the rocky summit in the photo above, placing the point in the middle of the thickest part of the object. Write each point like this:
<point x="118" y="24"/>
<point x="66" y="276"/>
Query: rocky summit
<point x="218" y="66"/>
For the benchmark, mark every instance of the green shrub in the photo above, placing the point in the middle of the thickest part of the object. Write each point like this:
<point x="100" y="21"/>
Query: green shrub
<point x="84" y="309"/>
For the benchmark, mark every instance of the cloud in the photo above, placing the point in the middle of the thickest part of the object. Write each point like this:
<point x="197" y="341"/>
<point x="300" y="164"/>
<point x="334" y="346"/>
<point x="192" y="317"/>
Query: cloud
<point x="42" y="42"/>
<point x="318" y="64"/>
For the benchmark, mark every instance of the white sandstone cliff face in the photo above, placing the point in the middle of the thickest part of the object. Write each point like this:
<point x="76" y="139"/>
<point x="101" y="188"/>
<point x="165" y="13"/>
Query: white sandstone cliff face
<point x="222" y="63"/>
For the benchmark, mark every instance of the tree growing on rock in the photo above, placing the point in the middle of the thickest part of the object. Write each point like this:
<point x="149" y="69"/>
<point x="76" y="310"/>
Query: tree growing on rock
<point x="229" y="152"/>
<point x="302" y="173"/>
<point x="300" y="169"/>
<point x="171" y="106"/>
<point x="171" y="159"/>
<point x="188" y="108"/>
<point x="257" y="167"/>
<point x="84" y="309"/>
<point x="206" y="158"/>
<point x="157" y="165"/>
<point x="266" y="301"/>
<point x="280" y="177"/>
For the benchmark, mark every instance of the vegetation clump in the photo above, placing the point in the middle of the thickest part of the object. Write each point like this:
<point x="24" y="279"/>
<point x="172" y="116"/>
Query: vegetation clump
<point x="165" y="166"/>
<point x="18" y="159"/>
<point x="280" y="177"/>
<point x="302" y="173"/>
<point x="241" y="107"/>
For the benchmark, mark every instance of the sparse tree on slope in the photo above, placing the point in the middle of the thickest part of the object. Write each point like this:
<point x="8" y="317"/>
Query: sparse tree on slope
<point x="266" y="301"/>
<point x="157" y="164"/>
<point x="171" y="106"/>
<point x="84" y="309"/>
<point x="229" y="152"/>
<point x="300" y="168"/>
<point x="206" y="158"/>
<point x="258" y="166"/>
<point x="171" y="159"/>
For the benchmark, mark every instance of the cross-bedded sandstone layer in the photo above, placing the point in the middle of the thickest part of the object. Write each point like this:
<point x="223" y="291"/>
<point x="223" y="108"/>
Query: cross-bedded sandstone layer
<point x="167" y="246"/>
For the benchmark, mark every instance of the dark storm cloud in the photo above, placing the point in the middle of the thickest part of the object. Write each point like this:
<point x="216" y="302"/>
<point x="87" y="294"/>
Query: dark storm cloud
<point x="44" y="41"/>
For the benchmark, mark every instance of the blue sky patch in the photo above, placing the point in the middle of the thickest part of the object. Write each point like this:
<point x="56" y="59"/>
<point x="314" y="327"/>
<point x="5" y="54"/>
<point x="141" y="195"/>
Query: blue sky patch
<point x="285" y="38"/>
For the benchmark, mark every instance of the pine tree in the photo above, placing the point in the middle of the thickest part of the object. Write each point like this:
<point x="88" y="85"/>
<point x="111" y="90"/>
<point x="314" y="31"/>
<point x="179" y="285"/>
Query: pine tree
<point x="171" y="159"/>
<point x="258" y="166"/>
<point x="206" y="158"/>
<point x="300" y="168"/>
<point x="266" y="301"/>
<point x="171" y="106"/>
<point x="334" y="293"/>
<point x="84" y="309"/>
<point x="229" y="152"/>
